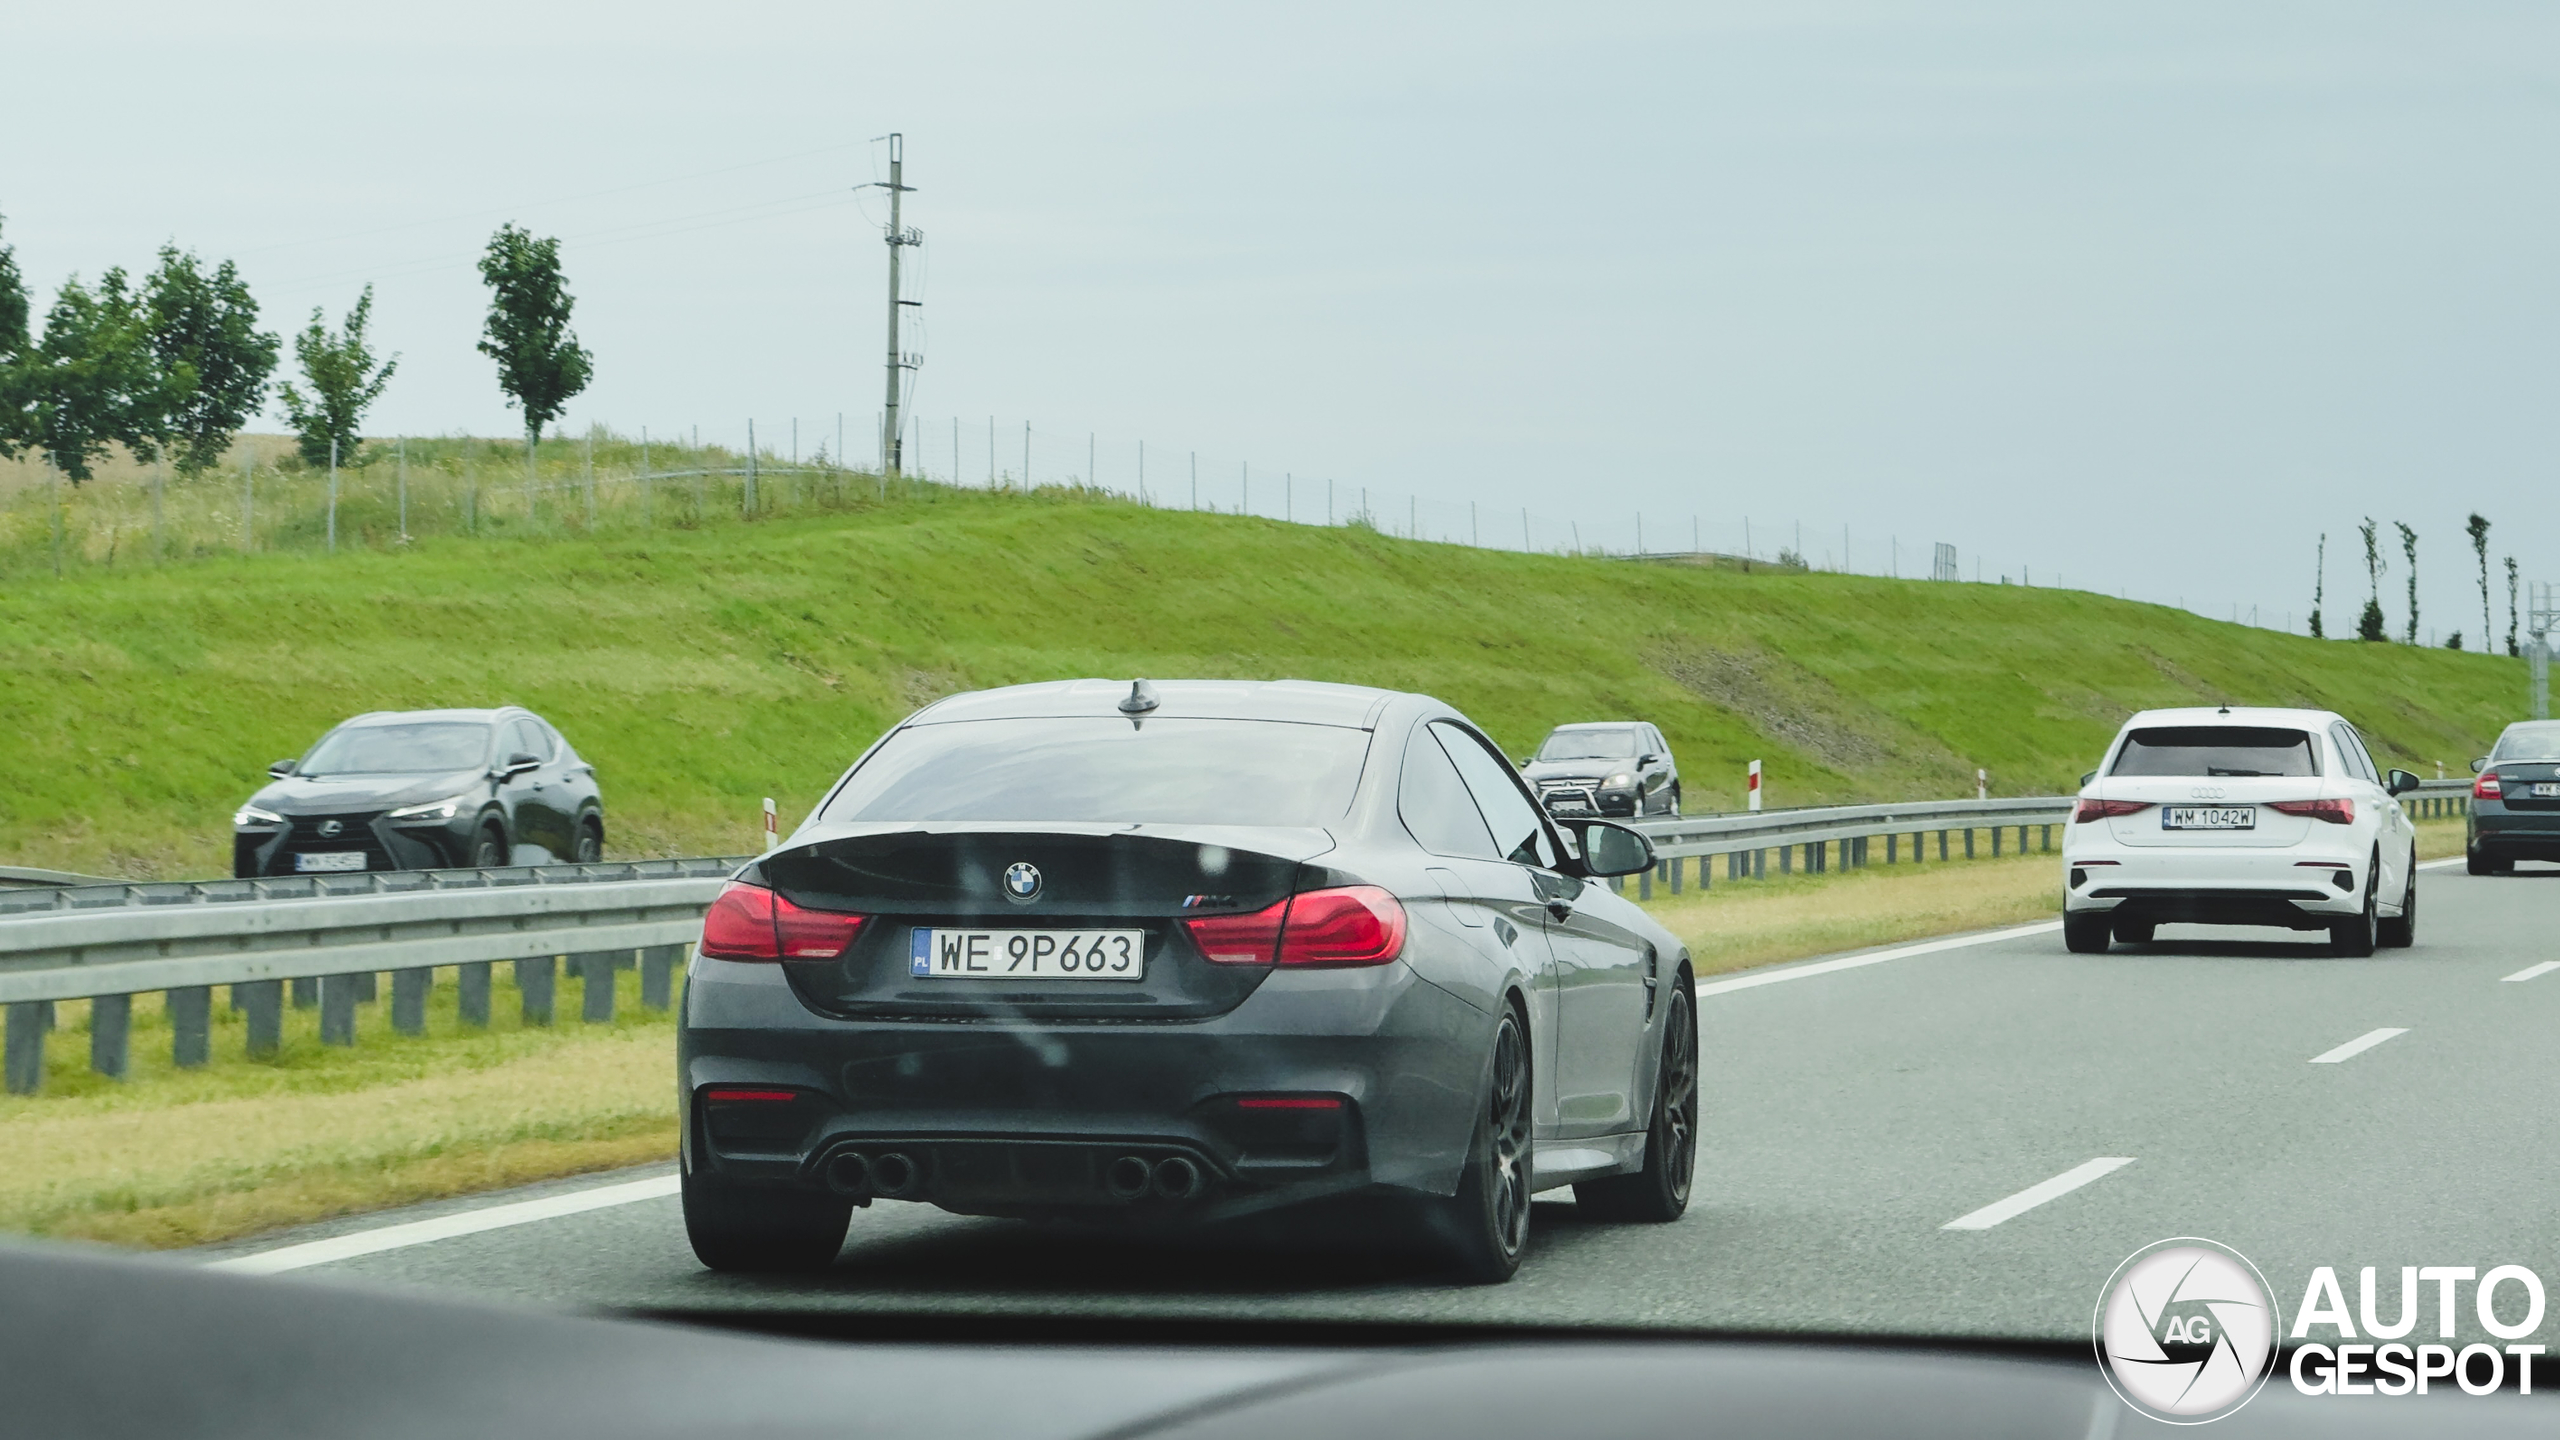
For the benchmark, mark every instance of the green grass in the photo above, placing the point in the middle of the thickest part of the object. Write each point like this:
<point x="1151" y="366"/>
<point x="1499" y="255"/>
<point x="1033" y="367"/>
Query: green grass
<point x="704" y="668"/>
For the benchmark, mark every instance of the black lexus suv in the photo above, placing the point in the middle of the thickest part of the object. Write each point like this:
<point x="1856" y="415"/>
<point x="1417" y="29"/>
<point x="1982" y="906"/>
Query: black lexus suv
<point x="422" y="790"/>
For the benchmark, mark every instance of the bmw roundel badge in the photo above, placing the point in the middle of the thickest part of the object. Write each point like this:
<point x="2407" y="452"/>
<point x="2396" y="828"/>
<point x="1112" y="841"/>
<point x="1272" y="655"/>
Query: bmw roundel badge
<point x="1022" y="881"/>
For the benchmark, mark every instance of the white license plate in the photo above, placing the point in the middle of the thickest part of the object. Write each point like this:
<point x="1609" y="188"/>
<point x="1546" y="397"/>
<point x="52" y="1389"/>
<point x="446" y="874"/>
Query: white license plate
<point x="2546" y="789"/>
<point x="937" y="954"/>
<point x="330" y="860"/>
<point x="2209" y="817"/>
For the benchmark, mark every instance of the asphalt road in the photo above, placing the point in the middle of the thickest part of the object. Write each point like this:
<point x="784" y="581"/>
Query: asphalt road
<point x="1854" y="1111"/>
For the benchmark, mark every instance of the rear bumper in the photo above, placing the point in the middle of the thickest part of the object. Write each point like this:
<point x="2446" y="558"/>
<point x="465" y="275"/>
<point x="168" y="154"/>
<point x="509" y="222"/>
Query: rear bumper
<point x="2199" y="886"/>
<point x="2493" y="829"/>
<point x="1026" y="1119"/>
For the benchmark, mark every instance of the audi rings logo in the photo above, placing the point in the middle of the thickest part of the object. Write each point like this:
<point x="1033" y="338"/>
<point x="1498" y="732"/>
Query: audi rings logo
<point x="1022" y="881"/>
<point x="2207" y="792"/>
<point x="2185" y="1331"/>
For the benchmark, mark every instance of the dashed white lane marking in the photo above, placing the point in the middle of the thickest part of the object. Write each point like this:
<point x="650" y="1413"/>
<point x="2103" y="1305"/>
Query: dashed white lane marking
<point x="2035" y="1195"/>
<point x="1851" y="962"/>
<point x="445" y="1227"/>
<point x="2358" y="1045"/>
<point x="2531" y="972"/>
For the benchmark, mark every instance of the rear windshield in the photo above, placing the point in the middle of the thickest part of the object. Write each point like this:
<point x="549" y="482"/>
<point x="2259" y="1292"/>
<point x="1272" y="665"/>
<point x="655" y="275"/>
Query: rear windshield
<point x="428" y="745"/>
<point x="2535" y="743"/>
<point x="1589" y="745"/>
<point x="1096" y="771"/>
<point x="2217" y="750"/>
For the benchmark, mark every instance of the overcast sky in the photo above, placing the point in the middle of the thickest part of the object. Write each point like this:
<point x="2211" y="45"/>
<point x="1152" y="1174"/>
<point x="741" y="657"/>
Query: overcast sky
<point x="2143" y="296"/>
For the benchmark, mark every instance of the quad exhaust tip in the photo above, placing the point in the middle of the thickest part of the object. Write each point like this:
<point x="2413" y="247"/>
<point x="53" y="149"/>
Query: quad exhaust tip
<point x="893" y="1175"/>
<point x="1177" y="1179"/>
<point x="1128" y="1177"/>
<point x="847" y="1173"/>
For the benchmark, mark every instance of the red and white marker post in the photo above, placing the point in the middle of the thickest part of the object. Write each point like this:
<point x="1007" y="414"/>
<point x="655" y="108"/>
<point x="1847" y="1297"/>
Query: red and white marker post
<point x="772" y="826"/>
<point x="1755" y="785"/>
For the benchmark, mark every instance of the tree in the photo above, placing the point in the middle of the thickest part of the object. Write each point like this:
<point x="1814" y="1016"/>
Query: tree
<point x="92" y="381"/>
<point x="344" y="382"/>
<point x="2511" y="607"/>
<point x="205" y="327"/>
<point x="17" y="431"/>
<point x="2369" y="626"/>
<point x="2453" y="641"/>
<point x="2478" y="530"/>
<point x="2319" y="582"/>
<point x="540" y="363"/>
<point x="2409" y="547"/>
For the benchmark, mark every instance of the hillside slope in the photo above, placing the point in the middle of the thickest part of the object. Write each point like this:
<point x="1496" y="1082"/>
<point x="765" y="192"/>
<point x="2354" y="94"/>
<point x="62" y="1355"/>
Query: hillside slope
<point x="704" y="669"/>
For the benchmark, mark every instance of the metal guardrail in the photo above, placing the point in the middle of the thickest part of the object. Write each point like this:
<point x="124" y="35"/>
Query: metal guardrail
<point x="329" y="937"/>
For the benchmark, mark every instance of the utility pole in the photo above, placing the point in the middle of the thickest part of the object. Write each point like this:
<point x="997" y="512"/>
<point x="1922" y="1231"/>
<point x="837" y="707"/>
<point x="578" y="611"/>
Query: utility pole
<point x="898" y="238"/>
<point x="2541" y="617"/>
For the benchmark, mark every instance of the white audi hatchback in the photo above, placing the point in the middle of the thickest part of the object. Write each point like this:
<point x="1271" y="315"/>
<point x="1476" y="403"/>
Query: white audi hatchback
<point x="2241" y="817"/>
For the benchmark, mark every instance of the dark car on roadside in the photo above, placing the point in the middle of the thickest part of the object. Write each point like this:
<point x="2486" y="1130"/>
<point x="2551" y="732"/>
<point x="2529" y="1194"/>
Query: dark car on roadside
<point x="2515" y="802"/>
<point x="1605" y="767"/>
<point x="422" y="790"/>
<point x="1161" y="956"/>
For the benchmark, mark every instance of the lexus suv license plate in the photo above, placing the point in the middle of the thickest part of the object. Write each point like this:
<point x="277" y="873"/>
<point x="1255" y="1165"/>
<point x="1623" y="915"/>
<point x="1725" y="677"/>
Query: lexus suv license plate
<point x="1028" y="954"/>
<point x="330" y="860"/>
<point x="2209" y="817"/>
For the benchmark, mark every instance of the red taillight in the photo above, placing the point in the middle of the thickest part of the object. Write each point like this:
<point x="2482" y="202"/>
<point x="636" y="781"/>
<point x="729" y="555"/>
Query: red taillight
<point x="1290" y="1102"/>
<point x="1353" y="925"/>
<point x="2487" y="787"/>
<point x="2089" y="810"/>
<point x="726" y="1095"/>
<point x="2336" y="812"/>
<point x="750" y="922"/>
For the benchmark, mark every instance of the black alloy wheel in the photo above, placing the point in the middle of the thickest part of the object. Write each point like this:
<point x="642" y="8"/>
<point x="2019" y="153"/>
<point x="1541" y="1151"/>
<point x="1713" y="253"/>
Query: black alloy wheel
<point x="2354" y="939"/>
<point x="2401" y="931"/>
<point x="590" y="841"/>
<point x="1658" y="1193"/>
<point x="1486" y="1224"/>
<point x="2085" y="933"/>
<point x="488" y="849"/>
<point x="762" y="1230"/>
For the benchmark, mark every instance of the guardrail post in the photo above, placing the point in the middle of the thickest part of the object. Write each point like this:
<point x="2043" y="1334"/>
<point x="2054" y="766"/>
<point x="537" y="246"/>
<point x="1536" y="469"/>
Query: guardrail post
<point x="595" y="985"/>
<point x="1760" y="865"/>
<point x="110" y="1034"/>
<point x="1644" y="883"/>
<point x="1892" y="848"/>
<point x="190" y="1025"/>
<point x="1995" y="842"/>
<point x="1677" y="861"/>
<point x="24" y="1047"/>
<point x="535" y="979"/>
<point x="1968" y="841"/>
<point x="2048" y="839"/>
<point x="471" y="992"/>
<point x="1706" y="868"/>
<point x="52" y="1016"/>
<point x="409" y="999"/>
<point x="262" y="1006"/>
<point x="657" y="975"/>
<point x="306" y="992"/>
<point x="338" y="1009"/>
<point x="1786" y="859"/>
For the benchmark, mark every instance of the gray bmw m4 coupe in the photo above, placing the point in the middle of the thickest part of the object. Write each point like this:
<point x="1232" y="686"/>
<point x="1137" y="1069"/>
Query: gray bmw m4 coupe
<point x="1169" y="954"/>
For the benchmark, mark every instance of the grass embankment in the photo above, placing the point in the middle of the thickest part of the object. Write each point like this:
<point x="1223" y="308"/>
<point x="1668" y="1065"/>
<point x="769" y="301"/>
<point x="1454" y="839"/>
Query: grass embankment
<point x="170" y="1158"/>
<point x="704" y="668"/>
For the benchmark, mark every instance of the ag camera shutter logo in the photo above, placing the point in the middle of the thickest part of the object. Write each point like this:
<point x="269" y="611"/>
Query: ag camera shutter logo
<point x="2185" y="1331"/>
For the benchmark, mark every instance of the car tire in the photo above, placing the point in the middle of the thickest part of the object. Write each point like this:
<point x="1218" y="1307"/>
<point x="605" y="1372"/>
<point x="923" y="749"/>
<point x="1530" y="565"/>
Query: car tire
<point x="1658" y="1193"/>
<point x="2085" y="934"/>
<point x="590" y="841"/>
<point x="2135" y="932"/>
<point x="762" y="1231"/>
<point x="489" y="849"/>
<point x="1674" y="811"/>
<point x="2401" y="931"/>
<point x="2354" y="939"/>
<point x="1485" y="1226"/>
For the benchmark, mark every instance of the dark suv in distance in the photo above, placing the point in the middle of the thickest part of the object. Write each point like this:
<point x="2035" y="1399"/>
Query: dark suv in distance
<point x="423" y="790"/>
<point x="2515" y="804"/>
<point x="1605" y="767"/>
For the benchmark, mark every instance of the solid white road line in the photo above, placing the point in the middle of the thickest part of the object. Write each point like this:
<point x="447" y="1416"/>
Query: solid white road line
<point x="2035" y="1195"/>
<point x="2533" y="971"/>
<point x="1825" y="967"/>
<point x="2358" y="1045"/>
<point x="2439" y="864"/>
<point x="445" y="1227"/>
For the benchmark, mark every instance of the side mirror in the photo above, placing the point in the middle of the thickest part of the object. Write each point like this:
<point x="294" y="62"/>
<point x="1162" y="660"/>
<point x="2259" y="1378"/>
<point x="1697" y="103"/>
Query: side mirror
<point x="2402" y="782"/>
<point x="284" y="767"/>
<point x="2085" y="779"/>
<point x="1648" y="759"/>
<point x="518" y="763"/>
<point x="2480" y="764"/>
<point x="1613" y="849"/>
